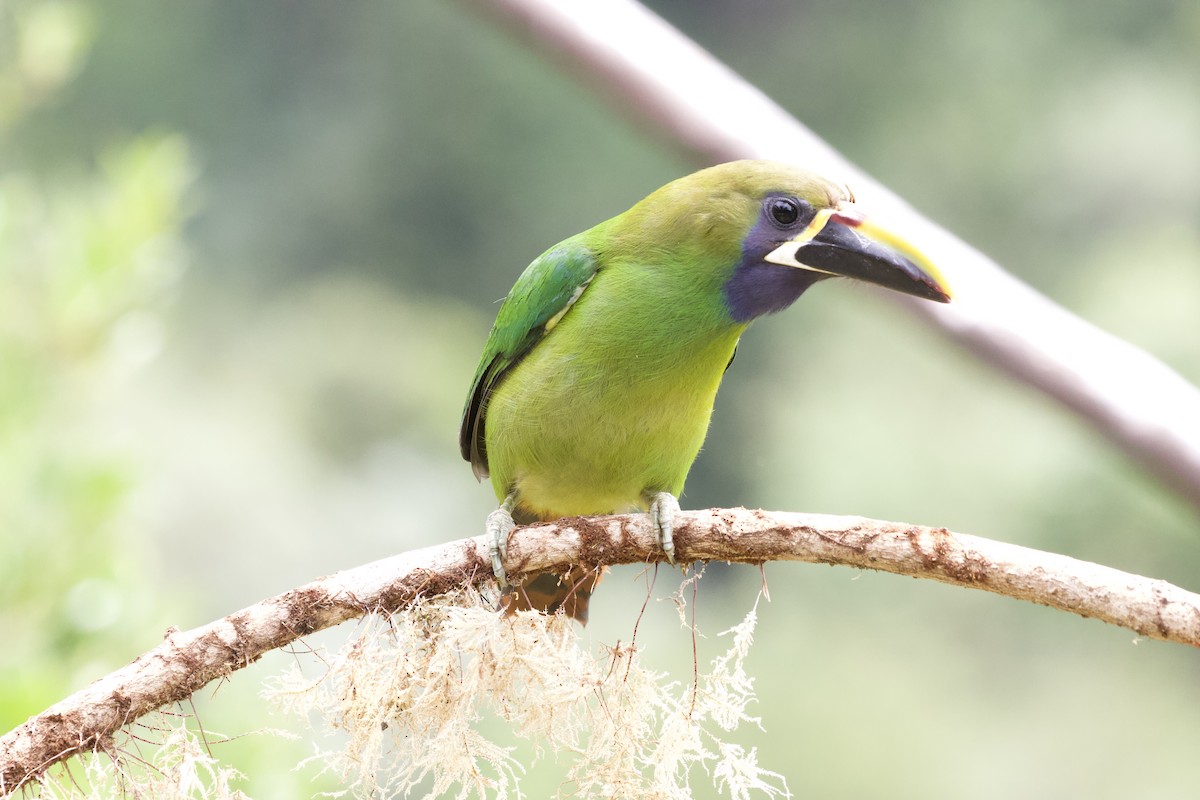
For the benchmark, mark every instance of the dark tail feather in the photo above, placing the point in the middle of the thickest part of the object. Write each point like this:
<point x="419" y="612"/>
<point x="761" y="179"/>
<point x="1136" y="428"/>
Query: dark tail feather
<point x="548" y="592"/>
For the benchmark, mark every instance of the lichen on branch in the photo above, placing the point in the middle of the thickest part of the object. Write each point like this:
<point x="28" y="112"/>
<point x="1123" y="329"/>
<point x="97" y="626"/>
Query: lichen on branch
<point x="409" y="692"/>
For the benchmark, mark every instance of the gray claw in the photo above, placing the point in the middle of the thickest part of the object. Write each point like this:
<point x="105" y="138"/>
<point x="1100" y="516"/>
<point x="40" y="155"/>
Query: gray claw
<point x="663" y="507"/>
<point x="499" y="525"/>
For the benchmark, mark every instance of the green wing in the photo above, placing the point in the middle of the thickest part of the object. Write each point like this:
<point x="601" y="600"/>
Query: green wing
<point x="543" y="293"/>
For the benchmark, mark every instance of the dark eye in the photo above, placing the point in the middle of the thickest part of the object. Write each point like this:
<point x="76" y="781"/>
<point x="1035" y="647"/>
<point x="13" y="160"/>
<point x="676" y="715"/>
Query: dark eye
<point x="784" y="210"/>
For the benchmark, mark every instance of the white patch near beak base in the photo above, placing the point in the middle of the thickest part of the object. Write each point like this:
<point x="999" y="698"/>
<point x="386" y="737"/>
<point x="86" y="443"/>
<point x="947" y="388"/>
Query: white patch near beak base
<point x="785" y="254"/>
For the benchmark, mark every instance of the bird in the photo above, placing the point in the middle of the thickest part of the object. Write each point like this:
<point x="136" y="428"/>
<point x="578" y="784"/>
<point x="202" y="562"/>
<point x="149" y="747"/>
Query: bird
<point x="596" y="385"/>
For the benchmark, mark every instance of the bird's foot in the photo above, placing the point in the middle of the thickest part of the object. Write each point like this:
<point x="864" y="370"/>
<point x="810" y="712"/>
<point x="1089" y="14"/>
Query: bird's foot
<point x="663" y="508"/>
<point x="499" y="525"/>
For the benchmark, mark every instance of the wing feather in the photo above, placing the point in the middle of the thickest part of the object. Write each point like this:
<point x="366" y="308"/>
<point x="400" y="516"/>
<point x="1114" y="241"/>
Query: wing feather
<point x="541" y="296"/>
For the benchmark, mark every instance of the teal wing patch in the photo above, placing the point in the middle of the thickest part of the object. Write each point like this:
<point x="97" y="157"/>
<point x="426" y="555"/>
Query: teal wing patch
<point x="538" y="300"/>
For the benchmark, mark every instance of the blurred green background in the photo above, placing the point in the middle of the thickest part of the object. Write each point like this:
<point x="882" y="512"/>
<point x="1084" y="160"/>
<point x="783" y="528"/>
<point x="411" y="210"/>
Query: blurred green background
<point x="249" y="254"/>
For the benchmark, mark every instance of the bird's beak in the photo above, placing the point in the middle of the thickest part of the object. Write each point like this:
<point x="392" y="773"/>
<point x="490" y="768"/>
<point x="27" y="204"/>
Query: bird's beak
<point x="842" y="241"/>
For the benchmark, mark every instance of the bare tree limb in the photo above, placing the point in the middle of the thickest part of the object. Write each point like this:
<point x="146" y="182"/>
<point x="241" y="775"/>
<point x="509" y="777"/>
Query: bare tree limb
<point x="186" y="661"/>
<point x="661" y="79"/>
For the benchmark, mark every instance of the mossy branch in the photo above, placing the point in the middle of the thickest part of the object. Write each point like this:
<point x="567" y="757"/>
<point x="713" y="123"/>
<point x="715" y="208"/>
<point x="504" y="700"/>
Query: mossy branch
<point x="186" y="661"/>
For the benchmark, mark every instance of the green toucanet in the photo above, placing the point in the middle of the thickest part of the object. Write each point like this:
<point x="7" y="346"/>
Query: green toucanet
<point x="597" y="382"/>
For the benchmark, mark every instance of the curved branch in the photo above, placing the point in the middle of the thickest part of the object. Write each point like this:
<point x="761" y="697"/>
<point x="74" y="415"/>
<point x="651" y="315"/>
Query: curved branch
<point x="661" y="79"/>
<point x="186" y="661"/>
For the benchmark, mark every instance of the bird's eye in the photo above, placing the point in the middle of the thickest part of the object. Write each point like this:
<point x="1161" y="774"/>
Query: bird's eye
<point x="784" y="210"/>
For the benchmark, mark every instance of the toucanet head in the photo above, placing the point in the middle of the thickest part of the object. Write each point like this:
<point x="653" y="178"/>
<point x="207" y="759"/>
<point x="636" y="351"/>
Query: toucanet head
<point x="785" y="228"/>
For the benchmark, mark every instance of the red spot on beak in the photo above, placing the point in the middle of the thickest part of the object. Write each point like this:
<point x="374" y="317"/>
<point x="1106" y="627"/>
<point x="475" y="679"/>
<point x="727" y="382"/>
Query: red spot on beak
<point x="850" y="217"/>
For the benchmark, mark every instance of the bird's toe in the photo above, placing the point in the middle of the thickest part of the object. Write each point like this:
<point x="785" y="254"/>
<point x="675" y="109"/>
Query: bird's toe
<point x="499" y="525"/>
<point x="663" y="507"/>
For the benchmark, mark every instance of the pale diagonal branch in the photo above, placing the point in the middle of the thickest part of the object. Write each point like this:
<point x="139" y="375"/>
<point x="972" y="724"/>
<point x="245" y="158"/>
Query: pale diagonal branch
<point x="658" y="77"/>
<point x="187" y="661"/>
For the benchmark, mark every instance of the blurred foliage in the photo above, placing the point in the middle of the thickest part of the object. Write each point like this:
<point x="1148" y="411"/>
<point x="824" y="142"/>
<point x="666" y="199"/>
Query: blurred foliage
<point x="87" y="258"/>
<point x="355" y="185"/>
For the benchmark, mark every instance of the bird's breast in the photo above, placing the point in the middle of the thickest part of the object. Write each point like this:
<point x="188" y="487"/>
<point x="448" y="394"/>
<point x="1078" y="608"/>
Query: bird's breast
<point x="613" y="404"/>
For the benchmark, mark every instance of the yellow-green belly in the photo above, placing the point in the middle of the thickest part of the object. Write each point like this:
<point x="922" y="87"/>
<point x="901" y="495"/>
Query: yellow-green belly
<point x="593" y="420"/>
